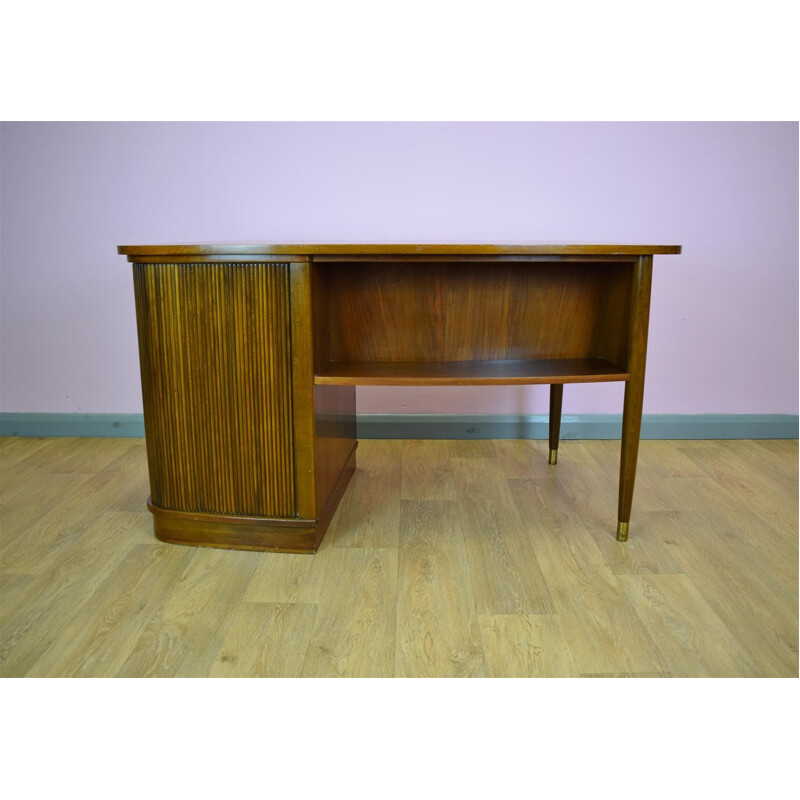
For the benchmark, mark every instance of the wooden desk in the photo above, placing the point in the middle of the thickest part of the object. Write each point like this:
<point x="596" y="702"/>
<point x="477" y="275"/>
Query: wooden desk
<point x="250" y="355"/>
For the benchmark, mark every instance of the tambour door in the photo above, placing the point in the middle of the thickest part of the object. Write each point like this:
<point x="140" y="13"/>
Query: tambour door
<point x="216" y="367"/>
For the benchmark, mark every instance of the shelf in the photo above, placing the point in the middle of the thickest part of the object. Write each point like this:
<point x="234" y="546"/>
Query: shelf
<point x="469" y="373"/>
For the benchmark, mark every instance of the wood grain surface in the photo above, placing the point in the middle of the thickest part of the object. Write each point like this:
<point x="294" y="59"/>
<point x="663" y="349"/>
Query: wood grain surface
<point x="469" y="373"/>
<point x="449" y="559"/>
<point x="302" y="250"/>
<point x="377" y="312"/>
<point x="215" y="356"/>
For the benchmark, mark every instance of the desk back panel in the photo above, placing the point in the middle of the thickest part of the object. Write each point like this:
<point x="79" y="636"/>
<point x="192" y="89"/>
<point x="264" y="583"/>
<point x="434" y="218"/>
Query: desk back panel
<point x="448" y="311"/>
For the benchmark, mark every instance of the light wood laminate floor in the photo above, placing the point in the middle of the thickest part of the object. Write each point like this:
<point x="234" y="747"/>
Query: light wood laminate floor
<point x="445" y="558"/>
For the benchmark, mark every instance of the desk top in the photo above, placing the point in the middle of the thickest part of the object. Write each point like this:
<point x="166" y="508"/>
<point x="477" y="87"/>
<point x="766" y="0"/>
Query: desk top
<point x="400" y="249"/>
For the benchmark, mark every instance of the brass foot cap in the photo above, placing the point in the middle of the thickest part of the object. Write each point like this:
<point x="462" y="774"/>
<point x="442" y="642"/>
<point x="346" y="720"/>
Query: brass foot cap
<point x="622" y="531"/>
<point x="553" y="457"/>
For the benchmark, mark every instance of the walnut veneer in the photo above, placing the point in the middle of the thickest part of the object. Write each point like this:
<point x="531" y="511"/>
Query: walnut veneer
<point x="250" y="355"/>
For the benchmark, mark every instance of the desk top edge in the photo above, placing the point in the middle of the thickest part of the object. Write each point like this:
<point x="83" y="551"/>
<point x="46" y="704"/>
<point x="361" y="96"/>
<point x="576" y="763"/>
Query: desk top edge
<point x="250" y="249"/>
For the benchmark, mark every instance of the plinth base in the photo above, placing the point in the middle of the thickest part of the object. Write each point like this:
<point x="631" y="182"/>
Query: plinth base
<point x="249" y="533"/>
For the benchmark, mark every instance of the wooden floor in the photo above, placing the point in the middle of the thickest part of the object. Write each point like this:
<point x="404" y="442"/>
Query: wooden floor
<point x="445" y="558"/>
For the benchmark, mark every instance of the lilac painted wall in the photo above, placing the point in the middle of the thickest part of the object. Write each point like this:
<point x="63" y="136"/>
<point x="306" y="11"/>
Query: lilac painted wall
<point x="724" y="322"/>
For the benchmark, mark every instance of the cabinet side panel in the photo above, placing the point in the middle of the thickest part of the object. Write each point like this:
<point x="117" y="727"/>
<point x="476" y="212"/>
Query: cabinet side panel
<point x="335" y="426"/>
<point x="303" y="389"/>
<point x="613" y="329"/>
<point x="215" y="356"/>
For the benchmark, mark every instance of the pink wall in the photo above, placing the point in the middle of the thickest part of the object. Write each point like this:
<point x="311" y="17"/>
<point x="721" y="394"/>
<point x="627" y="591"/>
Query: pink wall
<point x="724" y="321"/>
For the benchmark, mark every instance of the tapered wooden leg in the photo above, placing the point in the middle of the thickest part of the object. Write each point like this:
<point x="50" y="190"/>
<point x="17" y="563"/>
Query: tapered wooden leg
<point x="556" y="394"/>
<point x="631" y="426"/>
<point x="641" y="279"/>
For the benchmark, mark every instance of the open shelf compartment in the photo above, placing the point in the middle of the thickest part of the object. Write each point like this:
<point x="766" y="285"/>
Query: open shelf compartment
<point x="470" y="324"/>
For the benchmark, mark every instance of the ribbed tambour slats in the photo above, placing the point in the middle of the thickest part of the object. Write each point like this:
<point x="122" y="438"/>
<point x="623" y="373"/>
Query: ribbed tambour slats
<point x="214" y="343"/>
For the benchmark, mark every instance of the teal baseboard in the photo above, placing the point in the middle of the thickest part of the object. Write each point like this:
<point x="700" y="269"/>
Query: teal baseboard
<point x="576" y="426"/>
<point x="454" y="426"/>
<point x="82" y="425"/>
